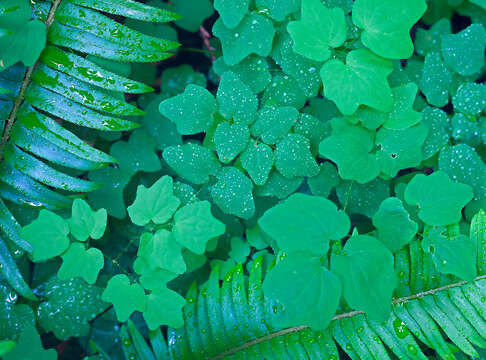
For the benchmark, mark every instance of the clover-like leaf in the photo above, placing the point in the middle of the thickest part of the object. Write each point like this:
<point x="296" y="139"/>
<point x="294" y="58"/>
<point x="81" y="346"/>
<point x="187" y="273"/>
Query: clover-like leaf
<point x="438" y="134"/>
<point x="293" y="157"/>
<point x="258" y="160"/>
<point x="233" y="193"/>
<point x="164" y="307"/>
<point x="305" y="223"/>
<point x="240" y="249"/>
<point x="253" y="35"/>
<point x="454" y="255"/>
<point x="402" y="116"/>
<point x="439" y="199"/>
<point x="436" y="80"/>
<point x="314" y="288"/>
<point x="395" y="228"/>
<point x="273" y="123"/>
<point x="470" y="98"/>
<point x="195" y="225"/>
<point x="361" y="81"/>
<point x="429" y="40"/>
<point x="284" y="90"/>
<point x="174" y="80"/>
<point x="156" y="203"/>
<point x="192" y="111"/>
<point x="325" y="180"/>
<point x="386" y="25"/>
<point x="318" y="29"/>
<point x="48" y="235"/>
<point x="231" y="11"/>
<point x="230" y="140"/>
<point x="82" y="262"/>
<point x="125" y="297"/>
<point x="86" y="223"/>
<point x="235" y="99"/>
<point x="464" y="52"/>
<point x="365" y="267"/>
<point x="161" y="250"/>
<point x="192" y="162"/>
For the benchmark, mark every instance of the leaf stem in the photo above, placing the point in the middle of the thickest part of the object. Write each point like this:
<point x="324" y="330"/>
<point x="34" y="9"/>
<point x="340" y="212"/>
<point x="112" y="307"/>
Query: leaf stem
<point x="25" y="83"/>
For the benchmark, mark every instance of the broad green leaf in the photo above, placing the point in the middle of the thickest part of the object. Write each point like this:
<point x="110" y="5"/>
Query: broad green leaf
<point x="258" y="160"/>
<point x="192" y="13"/>
<point x="313" y="129"/>
<point x="6" y="346"/>
<point x="465" y="166"/>
<point x="240" y="249"/>
<point x="230" y="140"/>
<point x="318" y="29"/>
<point x="403" y="115"/>
<point x="436" y="80"/>
<point x="361" y="81"/>
<point x="164" y="307"/>
<point x="253" y="35"/>
<point x="438" y="134"/>
<point x="470" y="99"/>
<point x="363" y="199"/>
<point x="386" y="25"/>
<point x="192" y="162"/>
<point x="48" y="235"/>
<point x="86" y="223"/>
<point x="400" y="149"/>
<point x="465" y="129"/>
<point x="284" y="91"/>
<point x="136" y="154"/>
<point x="277" y="10"/>
<point x="464" y="52"/>
<point x="293" y="157"/>
<point x="350" y="148"/>
<point x="365" y="267"/>
<point x="195" y="225"/>
<point x="235" y="99"/>
<point x="29" y="347"/>
<point x="278" y="185"/>
<point x="314" y="288"/>
<point x="233" y="193"/>
<point x="151" y="279"/>
<point x="454" y="255"/>
<point x="174" y="80"/>
<point x="161" y="250"/>
<point x="395" y="228"/>
<point x="82" y="262"/>
<point x="326" y="180"/>
<point x="231" y="11"/>
<point x="69" y="307"/>
<point x="125" y="297"/>
<point x="429" y="40"/>
<point x="440" y="200"/>
<point x="305" y="223"/>
<point x="273" y="123"/>
<point x="156" y="203"/>
<point x="192" y="111"/>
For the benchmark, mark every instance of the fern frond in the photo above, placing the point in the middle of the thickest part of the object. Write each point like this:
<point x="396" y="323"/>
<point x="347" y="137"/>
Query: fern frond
<point x="235" y="321"/>
<point x="65" y="85"/>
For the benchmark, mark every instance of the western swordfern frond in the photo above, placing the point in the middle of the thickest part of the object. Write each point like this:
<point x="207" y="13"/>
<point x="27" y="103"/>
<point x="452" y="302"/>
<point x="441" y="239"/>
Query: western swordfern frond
<point x="235" y="321"/>
<point x="66" y="86"/>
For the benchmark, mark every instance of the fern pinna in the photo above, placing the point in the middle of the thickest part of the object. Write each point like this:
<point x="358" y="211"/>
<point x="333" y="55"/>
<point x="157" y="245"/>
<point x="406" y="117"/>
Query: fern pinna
<point x="233" y="320"/>
<point x="66" y="86"/>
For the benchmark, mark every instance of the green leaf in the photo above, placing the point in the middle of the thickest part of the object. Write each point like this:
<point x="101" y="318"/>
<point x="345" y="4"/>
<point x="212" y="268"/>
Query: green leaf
<point x="6" y="346"/>
<point x="235" y="99"/>
<point x="395" y="228"/>
<point x="230" y="140"/>
<point x="192" y="162"/>
<point x="470" y="99"/>
<point x="438" y="135"/>
<point x="136" y="154"/>
<point x="326" y="180"/>
<point x="29" y="347"/>
<point x="258" y="160"/>
<point x="277" y="10"/>
<point x="192" y="13"/>
<point x="86" y="223"/>
<point x="70" y="306"/>
<point x="231" y="11"/>
<point x="365" y="267"/>
<point x="195" y="225"/>
<point x="240" y="250"/>
<point x="436" y="80"/>
<point x="164" y="307"/>
<point x="156" y="203"/>
<point x="162" y="251"/>
<point x="363" y="199"/>
<point x="402" y="116"/>
<point x="284" y="91"/>
<point x="464" y="52"/>
<point x="192" y="111"/>
<point x="312" y="287"/>
<point x="125" y="297"/>
<point x="253" y="35"/>
<point x="278" y="185"/>
<point x="174" y="80"/>
<point x="318" y="30"/>
<point x="429" y="40"/>
<point x="273" y="123"/>
<point x="233" y="193"/>
<point x="361" y="81"/>
<point x="386" y="25"/>
<point x="293" y="157"/>
<point x="454" y="255"/>
<point x="305" y="223"/>
<point x="439" y="199"/>
<point x="49" y="226"/>
<point x="82" y="262"/>
<point x="350" y="148"/>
